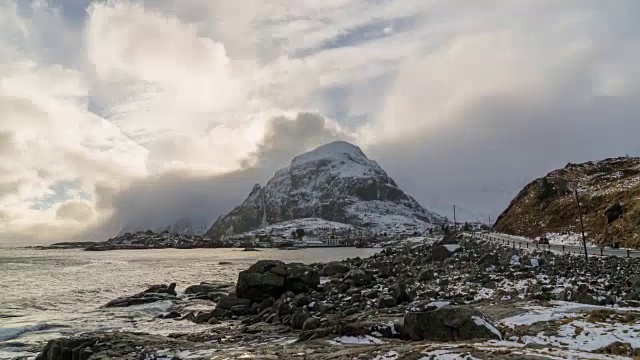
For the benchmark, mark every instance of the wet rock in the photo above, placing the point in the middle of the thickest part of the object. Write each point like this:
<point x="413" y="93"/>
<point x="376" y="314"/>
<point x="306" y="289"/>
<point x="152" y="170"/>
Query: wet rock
<point x="162" y="289"/>
<point x="203" y="317"/>
<point x="448" y="323"/>
<point x="207" y="288"/>
<point x="228" y="302"/>
<point x="170" y="315"/>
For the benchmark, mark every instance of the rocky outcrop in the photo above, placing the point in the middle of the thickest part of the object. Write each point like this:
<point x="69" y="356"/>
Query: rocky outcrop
<point x="335" y="182"/>
<point x="608" y="191"/>
<point x="270" y="279"/>
<point x="152" y="294"/>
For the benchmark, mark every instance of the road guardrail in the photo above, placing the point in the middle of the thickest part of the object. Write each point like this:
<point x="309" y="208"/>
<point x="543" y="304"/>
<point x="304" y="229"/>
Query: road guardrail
<point x="528" y="244"/>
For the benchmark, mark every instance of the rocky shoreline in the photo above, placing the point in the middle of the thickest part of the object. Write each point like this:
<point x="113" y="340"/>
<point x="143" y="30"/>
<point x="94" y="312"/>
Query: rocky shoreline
<point x="462" y="296"/>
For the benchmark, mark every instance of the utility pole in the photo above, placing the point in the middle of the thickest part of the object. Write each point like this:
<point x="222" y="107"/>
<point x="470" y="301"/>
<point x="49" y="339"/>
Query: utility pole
<point x="584" y="240"/>
<point x="455" y="227"/>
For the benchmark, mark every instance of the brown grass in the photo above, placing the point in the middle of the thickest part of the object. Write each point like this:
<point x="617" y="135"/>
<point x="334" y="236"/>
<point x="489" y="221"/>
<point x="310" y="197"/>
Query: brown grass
<point x="531" y="214"/>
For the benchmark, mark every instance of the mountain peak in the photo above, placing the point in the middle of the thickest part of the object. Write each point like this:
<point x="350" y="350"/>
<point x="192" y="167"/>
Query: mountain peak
<point x="335" y="182"/>
<point x="332" y="150"/>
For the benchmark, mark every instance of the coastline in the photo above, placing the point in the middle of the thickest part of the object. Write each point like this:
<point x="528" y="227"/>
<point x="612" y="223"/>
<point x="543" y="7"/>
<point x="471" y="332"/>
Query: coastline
<point x="363" y="305"/>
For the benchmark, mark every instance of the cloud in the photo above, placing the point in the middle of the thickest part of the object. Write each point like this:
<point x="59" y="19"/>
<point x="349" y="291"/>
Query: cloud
<point x="163" y="199"/>
<point x="127" y="106"/>
<point x="78" y="210"/>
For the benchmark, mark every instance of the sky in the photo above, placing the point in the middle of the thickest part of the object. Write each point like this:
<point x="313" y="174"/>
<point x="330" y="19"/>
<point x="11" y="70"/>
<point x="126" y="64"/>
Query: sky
<point x="113" y="112"/>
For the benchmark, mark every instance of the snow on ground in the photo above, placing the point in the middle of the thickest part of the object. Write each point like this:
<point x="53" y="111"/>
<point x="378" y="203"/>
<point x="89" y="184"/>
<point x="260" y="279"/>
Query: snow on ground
<point x="569" y="326"/>
<point x="570" y="239"/>
<point x="355" y="340"/>
<point x="482" y="322"/>
<point x="310" y="225"/>
<point x="391" y="355"/>
<point x="452" y="247"/>
<point x="447" y="354"/>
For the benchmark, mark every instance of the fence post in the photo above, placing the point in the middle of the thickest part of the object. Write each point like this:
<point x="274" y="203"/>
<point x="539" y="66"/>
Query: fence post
<point x="562" y="248"/>
<point x="628" y="253"/>
<point x="527" y="245"/>
<point x="601" y="251"/>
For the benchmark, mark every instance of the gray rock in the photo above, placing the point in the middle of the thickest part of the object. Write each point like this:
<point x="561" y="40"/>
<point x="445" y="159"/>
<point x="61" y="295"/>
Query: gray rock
<point x="359" y="277"/>
<point x="299" y="317"/>
<point x="227" y="302"/>
<point x="426" y="275"/>
<point x="386" y="301"/>
<point x="312" y="323"/>
<point x="448" y="323"/>
<point x="301" y="278"/>
<point x="335" y="268"/>
<point x="301" y="300"/>
<point x="441" y="253"/>
<point x="263" y="280"/>
<point x="271" y="278"/>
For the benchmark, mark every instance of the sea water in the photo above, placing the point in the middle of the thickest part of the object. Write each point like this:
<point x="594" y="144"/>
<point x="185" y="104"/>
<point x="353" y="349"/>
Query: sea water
<point x="46" y="294"/>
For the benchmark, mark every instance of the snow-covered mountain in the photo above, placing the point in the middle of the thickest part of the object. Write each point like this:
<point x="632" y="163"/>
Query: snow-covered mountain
<point x="335" y="182"/>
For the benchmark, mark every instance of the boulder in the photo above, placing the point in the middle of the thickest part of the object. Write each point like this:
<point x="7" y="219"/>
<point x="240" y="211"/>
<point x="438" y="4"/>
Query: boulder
<point x="271" y="278"/>
<point x="301" y="278"/>
<point x="299" y="317"/>
<point x="386" y="301"/>
<point x="359" y="277"/>
<point x="335" y="268"/>
<point x="228" y="302"/>
<point x="443" y="252"/>
<point x="399" y="293"/>
<point x="448" y="323"/>
<point x="263" y="280"/>
<point x="426" y="275"/>
<point x="312" y="323"/>
<point x="205" y="288"/>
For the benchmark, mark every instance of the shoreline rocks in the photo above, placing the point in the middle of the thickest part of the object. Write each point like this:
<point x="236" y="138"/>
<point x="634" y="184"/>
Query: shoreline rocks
<point x="402" y="294"/>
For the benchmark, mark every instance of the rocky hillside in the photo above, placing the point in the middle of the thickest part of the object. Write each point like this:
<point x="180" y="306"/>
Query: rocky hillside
<point x="548" y="206"/>
<point x="335" y="182"/>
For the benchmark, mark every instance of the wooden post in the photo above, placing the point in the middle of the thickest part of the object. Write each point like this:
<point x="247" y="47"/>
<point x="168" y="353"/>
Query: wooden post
<point x="584" y="240"/>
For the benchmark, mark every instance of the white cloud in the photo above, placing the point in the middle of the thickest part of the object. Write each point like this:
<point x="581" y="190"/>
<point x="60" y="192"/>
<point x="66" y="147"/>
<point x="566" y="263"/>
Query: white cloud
<point x="138" y="88"/>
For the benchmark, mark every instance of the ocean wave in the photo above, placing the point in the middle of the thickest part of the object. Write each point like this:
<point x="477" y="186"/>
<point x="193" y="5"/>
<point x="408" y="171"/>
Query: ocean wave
<point x="10" y="333"/>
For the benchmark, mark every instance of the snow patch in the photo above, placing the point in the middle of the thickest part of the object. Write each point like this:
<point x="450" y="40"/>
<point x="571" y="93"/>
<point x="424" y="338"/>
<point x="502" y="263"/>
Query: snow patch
<point x="355" y="340"/>
<point x="482" y="322"/>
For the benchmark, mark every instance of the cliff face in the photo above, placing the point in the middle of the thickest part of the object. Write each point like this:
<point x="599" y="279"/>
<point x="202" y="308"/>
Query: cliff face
<point x="335" y="182"/>
<point x="548" y="205"/>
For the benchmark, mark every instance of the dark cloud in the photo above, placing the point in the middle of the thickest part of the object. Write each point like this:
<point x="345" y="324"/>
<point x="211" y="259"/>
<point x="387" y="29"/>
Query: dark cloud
<point x="499" y="144"/>
<point x="166" y="198"/>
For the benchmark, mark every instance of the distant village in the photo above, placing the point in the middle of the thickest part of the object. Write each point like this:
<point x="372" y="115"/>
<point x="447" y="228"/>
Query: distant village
<point x="296" y="239"/>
